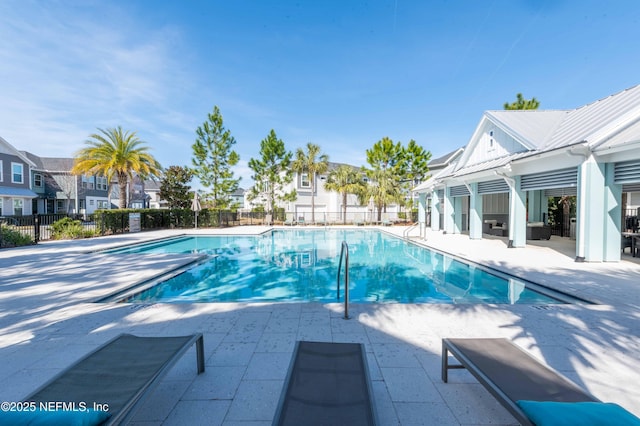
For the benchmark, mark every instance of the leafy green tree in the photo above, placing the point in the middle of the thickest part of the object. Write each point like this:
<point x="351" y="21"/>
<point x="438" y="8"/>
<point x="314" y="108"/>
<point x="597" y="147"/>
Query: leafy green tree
<point x="313" y="163"/>
<point x="116" y="153"/>
<point x="416" y="160"/>
<point x="416" y="168"/>
<point x="174" y="187"/>
<point x="386" y="155"/>
<point x="522" y="103"/>
<point x="388" y="167"/>
<point x="346" y="180"/>
<point x="271" y="172"/>
<point x="213" y="158"/>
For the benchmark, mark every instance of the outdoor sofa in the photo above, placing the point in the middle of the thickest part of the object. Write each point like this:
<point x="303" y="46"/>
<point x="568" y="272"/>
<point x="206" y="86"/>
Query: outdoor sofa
<point x="532" y="392"/>
<point x="538" y="231"/>
<point x="107" y="385"/>
<point x="493" y="227"/>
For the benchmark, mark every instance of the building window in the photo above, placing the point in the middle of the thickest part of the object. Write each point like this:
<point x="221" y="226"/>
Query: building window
<point x="37" y="180"/>
<point x="17" y="173"/>
<point x="1" y="178"/>
<point x="304" y="180"/>
<point x="101" y="183"/>
<point x="59" y="206"/>
<point x="88" y="182"/>
<point x="18" y="204"/>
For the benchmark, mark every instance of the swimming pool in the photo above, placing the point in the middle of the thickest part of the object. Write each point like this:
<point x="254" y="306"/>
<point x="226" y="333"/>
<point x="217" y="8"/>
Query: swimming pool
<point x="301" y="266"/>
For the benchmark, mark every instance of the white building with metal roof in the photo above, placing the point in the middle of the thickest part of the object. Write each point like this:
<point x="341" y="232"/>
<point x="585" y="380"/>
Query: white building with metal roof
<point x="592" y="152"/>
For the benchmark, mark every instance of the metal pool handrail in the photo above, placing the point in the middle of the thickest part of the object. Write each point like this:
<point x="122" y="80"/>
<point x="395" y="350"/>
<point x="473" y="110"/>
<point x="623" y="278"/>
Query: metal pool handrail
<point x="344" y="252"/>
<point x="405" y="234"/>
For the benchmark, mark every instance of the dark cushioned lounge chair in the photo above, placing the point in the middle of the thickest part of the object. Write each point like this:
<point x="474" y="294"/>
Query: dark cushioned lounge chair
<point x="517" y="381"/>
<point x="327" y="384"/>
<point x="119" y="373"/>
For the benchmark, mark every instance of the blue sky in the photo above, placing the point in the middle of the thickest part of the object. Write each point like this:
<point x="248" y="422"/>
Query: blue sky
<point x="341" y="74"/>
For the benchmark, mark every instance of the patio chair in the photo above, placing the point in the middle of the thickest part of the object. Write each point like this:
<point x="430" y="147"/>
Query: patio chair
<point x="531" y="391"/>
<point x="386" y="221"/>
<point x="301" y="220"/>
<point x="117" y="375"/>
<point x="358" y="220"/>
<point x="327" y="384"/>
<point x="289" y="220"/>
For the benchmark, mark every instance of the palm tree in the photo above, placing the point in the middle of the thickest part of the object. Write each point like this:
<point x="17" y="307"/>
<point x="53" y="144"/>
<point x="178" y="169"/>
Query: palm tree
<point x="345" y="180"/>
<point x="384" y="189"/>
<point x="312" y="163"/>
<point x="114" y="152"/>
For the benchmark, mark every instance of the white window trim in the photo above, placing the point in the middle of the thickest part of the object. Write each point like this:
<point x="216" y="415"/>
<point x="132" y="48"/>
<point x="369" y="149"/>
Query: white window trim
<point x="302" y="180"/>
<point x="35" y="181"/>
<point x="19" y="201"/>
<point x="21" y="172"/>
<point x="1" y="177"/>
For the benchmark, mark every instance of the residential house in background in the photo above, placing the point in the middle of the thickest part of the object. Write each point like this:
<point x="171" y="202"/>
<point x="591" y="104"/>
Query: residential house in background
<point x="137" y="197"/>
<point x="59" y="191"/>
<point x="237" y="198"/>
<point x="152" y="191"/>
<point x="16" y="194"/>
<point x="328" y="204"/>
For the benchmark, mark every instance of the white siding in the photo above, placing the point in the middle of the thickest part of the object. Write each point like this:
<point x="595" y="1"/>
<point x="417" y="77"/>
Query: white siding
<point x="490" y="146"/>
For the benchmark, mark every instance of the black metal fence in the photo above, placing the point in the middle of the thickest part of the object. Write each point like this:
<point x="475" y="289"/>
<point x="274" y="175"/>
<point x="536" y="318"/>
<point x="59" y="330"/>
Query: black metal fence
<point x="42" y="227"/>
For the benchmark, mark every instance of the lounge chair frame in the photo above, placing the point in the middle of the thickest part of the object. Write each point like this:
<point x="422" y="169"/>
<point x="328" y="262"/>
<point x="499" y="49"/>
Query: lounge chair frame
<point x="535" y="381"/>
<point x="180" y="346"/>
<point x="300" y="371"/>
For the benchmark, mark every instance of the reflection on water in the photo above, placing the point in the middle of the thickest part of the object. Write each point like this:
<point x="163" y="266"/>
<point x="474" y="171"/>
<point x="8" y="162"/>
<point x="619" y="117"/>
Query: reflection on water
<point x="301" y="265"/>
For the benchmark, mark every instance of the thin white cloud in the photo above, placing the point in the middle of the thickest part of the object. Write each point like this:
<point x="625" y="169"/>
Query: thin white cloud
<point x="66" y="73"/>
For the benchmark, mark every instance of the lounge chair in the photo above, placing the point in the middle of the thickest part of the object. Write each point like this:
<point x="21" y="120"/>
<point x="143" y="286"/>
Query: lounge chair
<point x="327" y="384"/>
<point x="358" y="220"/>
<point x="528" y="389"/>
<point x="301" y="220"/>
<point x="118" y="374"/>
<point x="289" y="220"/>
<point x="386" y="221"/>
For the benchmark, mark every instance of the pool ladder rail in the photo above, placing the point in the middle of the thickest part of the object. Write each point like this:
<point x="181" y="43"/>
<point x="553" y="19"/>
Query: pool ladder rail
<point x="405" y="233"/>
<point x="344" y="253"/>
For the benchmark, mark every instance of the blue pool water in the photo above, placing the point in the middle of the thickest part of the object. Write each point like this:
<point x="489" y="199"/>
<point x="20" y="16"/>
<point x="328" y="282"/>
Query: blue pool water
<point x="302" y="265"/>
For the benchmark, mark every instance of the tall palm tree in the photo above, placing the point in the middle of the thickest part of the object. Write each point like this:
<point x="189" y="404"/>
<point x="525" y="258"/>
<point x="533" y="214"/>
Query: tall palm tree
<point x="345" y="180"/>
<point x="312" y="162"/>
<point x="114" y="152"/>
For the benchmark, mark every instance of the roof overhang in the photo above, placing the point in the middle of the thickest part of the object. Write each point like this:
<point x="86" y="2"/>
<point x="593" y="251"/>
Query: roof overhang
<point x="8" y="191"/>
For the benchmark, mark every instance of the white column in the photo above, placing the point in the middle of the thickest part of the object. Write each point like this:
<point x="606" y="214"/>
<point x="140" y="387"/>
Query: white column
<point x="435" y="211"/>
<point x="475" y="212"/>
<point x="517" y="213"/>
<point x="590" y="212"/>
<point x="449" y="222"/>
<point x="613" y="216"/>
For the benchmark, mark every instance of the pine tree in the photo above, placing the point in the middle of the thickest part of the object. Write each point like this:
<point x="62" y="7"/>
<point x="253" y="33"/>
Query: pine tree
<point x="272" y="172"/>
<point x="213" y="158"/>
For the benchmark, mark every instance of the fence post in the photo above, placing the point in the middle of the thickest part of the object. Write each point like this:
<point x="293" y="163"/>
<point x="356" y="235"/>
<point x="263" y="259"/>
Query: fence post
<point x="36" y="228"/>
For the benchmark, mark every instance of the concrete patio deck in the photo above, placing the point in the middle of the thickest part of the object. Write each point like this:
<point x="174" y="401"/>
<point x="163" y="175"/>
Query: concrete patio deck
<point x="48" y="320"/>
